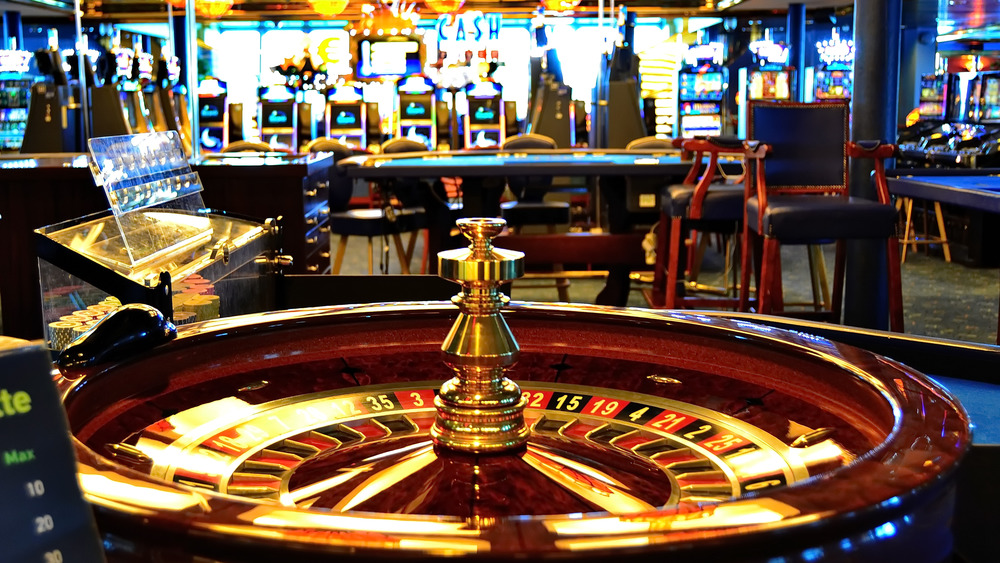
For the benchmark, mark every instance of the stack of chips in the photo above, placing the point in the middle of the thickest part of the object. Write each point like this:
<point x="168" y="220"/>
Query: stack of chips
<point x="69" y="327"/>
<point x="194" y="300"/>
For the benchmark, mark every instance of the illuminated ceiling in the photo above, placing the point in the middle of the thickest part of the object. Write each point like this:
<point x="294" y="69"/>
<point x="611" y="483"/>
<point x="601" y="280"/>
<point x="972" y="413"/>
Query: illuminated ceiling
<point x="981" y="17"/>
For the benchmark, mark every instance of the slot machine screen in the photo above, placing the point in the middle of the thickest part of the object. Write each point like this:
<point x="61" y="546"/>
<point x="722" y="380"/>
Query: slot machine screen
<point x="345" y="116"/>
<point x="701" y="86"/>
<point x="212" y="139"/>
<point x="484" y="112"/>
<point x="991" y="98"/>
<point x="833" y="84"/>
<point x="387" y="58"/>
<point x="769" y="85"/>
<point x="277" y="114"/>
<point x="212" y="110"/>
<point x="485" y="138"/>
<point x="932" y="88"/>
<point x="419" y="133"/>
<point x="414" y="106"/>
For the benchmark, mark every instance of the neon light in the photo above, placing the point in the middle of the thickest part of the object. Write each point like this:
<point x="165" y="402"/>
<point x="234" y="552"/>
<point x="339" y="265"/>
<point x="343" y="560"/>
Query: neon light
<point x="14" y="61"/>
<point x="707" y="51"/>
<point x="836" y="49"/>
<point x="769" y="52"/>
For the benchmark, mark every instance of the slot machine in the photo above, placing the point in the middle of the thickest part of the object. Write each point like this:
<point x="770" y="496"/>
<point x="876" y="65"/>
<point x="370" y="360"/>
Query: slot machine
<point x="16" y="80"/>
<point x="834" y="78"/>
<point x="955" y="140"/>
<point x="485" y="122"/>
<point x="278" y="117"/>
<point x="107" y="110"/>
<point x="130" y="89"/>
<point x="702" y="86"/>
<point x="143" y="73"/>
<point x="769" y="78"/>
<point x="930" y="114"/>
<point x="213" y="115"/>
<point x="53" y="123"/>
<point x="235" y="128"/>
<point x="305" y="125"/>
<point x="347" y="117"/>
<point x="987" y="153"/>
<point x="416" y="110"/>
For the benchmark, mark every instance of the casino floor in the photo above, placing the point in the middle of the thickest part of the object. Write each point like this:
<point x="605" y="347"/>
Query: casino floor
<point x="943" y="300"/>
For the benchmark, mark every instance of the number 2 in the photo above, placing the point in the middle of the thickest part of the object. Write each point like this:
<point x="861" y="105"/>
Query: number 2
<point x="534" y="399"/>
<point x="43" y="524"/>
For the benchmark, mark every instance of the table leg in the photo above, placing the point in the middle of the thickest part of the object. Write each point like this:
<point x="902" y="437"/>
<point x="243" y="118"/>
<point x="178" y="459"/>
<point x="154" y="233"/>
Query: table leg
<point x="616" y="287"/>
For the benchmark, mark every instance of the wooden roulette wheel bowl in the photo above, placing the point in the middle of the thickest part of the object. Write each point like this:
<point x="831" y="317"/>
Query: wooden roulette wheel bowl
<point x="312" y="434"/>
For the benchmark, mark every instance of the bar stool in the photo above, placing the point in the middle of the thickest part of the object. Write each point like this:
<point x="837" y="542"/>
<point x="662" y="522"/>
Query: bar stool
<point x="801" y="197"/>
<point x="531" y="209"/>
<point x="386" y="221"/>
<point x="689" y="208"/>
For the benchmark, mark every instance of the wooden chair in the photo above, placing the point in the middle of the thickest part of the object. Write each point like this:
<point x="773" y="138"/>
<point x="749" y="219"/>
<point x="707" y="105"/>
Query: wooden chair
<point x="801" y="197"/>
<point x="698" y="205"/>
<point x="387" y="221"/>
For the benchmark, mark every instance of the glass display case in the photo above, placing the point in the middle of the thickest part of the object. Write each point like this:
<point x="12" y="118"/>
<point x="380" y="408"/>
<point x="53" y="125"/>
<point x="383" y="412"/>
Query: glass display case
<point x="157" y="245"/>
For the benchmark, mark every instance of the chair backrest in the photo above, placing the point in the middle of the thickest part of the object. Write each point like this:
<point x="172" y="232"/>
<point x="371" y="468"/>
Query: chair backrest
<point x="650" y="144"/>
<point x="402" y="144"/>
<point x="642" y="193"/>
<point x="407" y="190"/>
<point x="247" y="146"/>
<point x="808" y="144"/>
<point x="326" y="144"/>
<point x="341" y="187"/>
<point x="528" y="141"/>
<point x="529" y="188"/>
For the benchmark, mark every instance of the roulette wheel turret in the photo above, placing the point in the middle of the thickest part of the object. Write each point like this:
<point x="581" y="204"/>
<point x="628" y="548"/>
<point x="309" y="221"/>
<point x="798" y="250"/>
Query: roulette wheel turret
<point x="352" y="433"/>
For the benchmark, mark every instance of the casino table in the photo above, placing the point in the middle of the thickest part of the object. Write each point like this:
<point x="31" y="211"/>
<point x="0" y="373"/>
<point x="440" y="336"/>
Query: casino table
<point x="483" y="172"/>
<point x="974" y="189"/>
<point x="977" y="191"/>
<point x="316" y="434"/>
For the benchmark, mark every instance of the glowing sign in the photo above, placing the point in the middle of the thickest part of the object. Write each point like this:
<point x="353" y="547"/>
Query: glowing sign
<point x="14" y="61"/>
<point x="469" y="27"/>
<point x="145" y="66"/>
<point x="769" y="52"/>
<point x="123" y="61"/>
<point x="483" y="90"/>
<point x="336" y="53"/>
<point x="835" y="49"/>
<point x="709" y="51"/>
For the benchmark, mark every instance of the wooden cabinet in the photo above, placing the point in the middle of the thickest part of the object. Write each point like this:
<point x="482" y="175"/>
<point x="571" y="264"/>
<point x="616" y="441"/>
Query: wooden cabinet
<point x="35" y="191"/>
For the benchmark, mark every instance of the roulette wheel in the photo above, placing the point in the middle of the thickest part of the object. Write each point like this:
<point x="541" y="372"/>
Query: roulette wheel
<point x="353" y="433"/>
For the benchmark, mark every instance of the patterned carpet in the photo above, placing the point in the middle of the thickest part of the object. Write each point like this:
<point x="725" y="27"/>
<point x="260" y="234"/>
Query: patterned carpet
<point x="940" y="299"/>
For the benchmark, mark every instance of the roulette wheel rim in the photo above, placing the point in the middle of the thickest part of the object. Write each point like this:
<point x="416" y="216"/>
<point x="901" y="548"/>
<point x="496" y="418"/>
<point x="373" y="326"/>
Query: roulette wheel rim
<point x="887" y="496"/>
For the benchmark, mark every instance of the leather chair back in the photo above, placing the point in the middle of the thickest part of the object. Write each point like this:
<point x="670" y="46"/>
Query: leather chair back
<point x="406" y="190"/>
<point x="529" y="188"/>
<point x="247" y="146"/>
<point x="808" y="144"/>
<point x="341" y="187"/>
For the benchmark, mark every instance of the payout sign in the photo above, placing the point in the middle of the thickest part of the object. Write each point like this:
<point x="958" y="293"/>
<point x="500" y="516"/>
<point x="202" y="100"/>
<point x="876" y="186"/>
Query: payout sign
<point x="470" y="30"/>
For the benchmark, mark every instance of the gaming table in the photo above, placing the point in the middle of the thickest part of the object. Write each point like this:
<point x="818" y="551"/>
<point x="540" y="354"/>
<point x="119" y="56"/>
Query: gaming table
<point x="975" y="189"/>
<point x="483" y="175"/>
